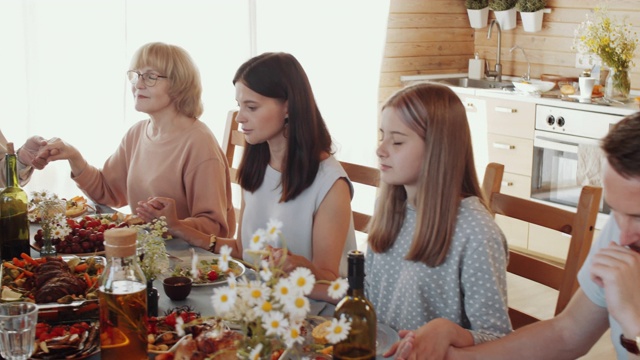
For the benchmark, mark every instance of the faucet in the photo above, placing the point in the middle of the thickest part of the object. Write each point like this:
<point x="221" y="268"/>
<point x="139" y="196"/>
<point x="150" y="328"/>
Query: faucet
<point x="527" y="76"/>
<point x="497" y="73"/>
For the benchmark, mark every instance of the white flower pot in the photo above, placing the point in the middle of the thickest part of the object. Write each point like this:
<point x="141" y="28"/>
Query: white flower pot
<point x="506" y="18"/>
<point x="478" y="18"/>
<point x="532" y="21"/>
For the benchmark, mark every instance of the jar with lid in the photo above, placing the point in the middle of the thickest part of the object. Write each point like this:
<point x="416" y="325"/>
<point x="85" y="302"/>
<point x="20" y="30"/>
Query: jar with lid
<point x="123" y="298"/>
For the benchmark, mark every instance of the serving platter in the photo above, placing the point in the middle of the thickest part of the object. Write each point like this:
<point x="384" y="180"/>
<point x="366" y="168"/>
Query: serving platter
<point x="37" y="248"/>
<point x="85" y="268"/>
<point x="207" y="264"/>
<point x="66" y="340"/>
<point x="86" y="237"/>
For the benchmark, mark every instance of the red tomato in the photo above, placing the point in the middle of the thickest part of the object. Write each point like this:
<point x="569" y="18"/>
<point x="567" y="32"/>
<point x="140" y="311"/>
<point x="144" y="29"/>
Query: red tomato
<point x="170" y="319"/>
<point x="212" y="275"/>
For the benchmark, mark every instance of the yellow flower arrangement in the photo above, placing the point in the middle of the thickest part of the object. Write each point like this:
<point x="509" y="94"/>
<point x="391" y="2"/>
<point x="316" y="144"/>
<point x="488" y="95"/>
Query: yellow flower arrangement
<point x="273" y="308"/>
<point x="612" y="41"/>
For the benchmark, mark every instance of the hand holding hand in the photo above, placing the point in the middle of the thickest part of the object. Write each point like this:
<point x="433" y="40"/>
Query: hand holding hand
<point x="156" y="207"/>
<point x="287" y="260"/>
<point x="402" y="349"/>
<point x="42" y="156"/>
<point x="56" y="149"/>
<point x="616" y="269"/>
<point x="29" y="151"/>
<point x="431" y="341"/>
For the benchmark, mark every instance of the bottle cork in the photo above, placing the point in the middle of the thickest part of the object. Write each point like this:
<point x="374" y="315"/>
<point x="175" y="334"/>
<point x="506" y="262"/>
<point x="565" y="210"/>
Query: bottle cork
<point x="10" y="148"/>
<point x="120" y="242"/>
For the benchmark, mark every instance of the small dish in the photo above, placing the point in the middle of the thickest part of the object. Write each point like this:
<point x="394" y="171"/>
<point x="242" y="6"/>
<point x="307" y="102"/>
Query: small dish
<point x="568" y="88"/>
<point x="177" y="287"/>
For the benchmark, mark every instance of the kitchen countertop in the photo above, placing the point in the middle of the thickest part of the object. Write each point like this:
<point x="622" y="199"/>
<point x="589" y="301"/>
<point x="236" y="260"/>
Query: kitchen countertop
<point x="616" y="109"/>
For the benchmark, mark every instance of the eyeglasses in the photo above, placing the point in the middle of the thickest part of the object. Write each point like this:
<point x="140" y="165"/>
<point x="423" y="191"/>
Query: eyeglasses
<point x="148" y="78"/>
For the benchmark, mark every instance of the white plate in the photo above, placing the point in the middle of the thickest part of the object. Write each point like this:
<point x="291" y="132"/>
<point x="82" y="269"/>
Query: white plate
<point x="385" y="337"/>
<point x="219" y="281"/>
<point x="534" y="86"/>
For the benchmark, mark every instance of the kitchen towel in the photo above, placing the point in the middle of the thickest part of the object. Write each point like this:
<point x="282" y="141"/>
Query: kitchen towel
<point x="589" y="171"/>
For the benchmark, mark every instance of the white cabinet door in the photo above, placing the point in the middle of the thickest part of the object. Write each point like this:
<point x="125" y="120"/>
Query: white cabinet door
<point x="477" y="117"/>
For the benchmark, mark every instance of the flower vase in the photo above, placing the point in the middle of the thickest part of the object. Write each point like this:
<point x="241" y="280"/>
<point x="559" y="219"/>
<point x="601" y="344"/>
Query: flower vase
<point x="618" y="84"/>
<point x="152" y="299"/>
<point x="47" y="249"/>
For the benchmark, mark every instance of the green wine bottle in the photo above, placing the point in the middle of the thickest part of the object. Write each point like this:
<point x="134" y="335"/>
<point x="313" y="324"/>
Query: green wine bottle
<point x="361" y="341"/>
<point x="14" y="221"/>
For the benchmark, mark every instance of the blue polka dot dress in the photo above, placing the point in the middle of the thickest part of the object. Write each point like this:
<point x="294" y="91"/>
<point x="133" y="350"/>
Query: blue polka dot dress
<point x="469" y="288"/>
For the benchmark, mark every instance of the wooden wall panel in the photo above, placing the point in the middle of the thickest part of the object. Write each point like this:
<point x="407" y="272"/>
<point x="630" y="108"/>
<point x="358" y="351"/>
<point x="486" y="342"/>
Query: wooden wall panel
<point x="430" y="37"/>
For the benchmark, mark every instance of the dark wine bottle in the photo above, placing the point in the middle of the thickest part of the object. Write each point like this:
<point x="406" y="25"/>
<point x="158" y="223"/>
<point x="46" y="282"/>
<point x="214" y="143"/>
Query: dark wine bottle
<point x="361" y="341"/>
<point x="14" y="220"/>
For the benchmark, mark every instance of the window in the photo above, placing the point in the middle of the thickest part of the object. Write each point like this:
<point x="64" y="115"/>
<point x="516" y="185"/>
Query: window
<point x="65" y="61"/>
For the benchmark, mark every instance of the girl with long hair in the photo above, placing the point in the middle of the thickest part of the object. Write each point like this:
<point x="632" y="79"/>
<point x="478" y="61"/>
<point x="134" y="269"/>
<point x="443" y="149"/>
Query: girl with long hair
<point x="436" y="264"/>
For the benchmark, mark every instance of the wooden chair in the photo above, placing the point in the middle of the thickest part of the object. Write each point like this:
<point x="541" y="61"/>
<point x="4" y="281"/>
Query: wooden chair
<point x="233" y="138"/>
<point x="359" y="175"/>
<point x="579" y="224"/>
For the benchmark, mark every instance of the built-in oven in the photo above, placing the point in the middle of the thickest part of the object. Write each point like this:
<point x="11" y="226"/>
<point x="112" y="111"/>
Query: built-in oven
<point x="567" y="155"/>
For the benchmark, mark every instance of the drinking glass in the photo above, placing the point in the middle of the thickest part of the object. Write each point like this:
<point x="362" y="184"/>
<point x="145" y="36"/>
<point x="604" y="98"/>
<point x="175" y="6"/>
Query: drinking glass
<point x="17" y="330"/>
<point x="586" y="86"/>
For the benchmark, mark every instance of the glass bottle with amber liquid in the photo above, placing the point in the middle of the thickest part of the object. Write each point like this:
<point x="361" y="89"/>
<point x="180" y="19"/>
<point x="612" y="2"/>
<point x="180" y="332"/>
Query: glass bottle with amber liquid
<point x="361" y="341"/>
<point x="122" y="298"/>
<point x="14" y="221"/>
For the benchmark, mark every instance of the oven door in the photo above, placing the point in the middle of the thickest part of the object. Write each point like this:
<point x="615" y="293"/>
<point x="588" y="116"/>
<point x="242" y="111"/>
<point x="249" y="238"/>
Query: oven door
<point x="559" y="169"/>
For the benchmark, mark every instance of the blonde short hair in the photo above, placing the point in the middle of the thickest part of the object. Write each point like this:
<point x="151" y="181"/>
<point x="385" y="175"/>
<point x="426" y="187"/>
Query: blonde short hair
<point x="174" y="62"/>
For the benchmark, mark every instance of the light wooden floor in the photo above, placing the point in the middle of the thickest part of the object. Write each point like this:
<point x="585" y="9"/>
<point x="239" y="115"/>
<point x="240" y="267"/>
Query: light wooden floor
<point x="539" y="300"/>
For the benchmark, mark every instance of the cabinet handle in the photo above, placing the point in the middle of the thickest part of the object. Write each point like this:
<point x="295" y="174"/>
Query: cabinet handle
<point x="507" y="183"/>
<point x="503" y="146"/>
<point x="505" y="109"/>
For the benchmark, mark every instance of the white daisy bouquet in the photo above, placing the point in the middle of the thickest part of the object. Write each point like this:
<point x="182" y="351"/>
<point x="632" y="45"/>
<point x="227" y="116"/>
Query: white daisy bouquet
<point x="50" y="210"/>
<point x="272" y="310"/>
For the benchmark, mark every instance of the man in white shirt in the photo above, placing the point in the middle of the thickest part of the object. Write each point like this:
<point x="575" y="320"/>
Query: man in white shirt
<point x="26" y="156"/>
<point x="609" y="293"/>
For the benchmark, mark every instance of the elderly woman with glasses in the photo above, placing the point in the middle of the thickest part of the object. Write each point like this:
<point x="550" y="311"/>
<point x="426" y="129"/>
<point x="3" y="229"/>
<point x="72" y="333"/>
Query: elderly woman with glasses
<point x="170" y="154"/>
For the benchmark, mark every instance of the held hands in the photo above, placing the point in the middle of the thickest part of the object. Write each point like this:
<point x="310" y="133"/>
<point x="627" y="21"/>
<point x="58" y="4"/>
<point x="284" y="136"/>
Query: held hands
<point x="29" y="151"/>
<point x="57" y="149"/>
<point x="616" y="269"/>
<point x="431" y="341"/>
<point x="156" y="207"/>
<point x="289" y="262"/>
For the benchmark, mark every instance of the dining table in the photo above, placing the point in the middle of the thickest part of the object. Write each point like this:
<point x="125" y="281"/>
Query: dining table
<point x="199" y="299"/>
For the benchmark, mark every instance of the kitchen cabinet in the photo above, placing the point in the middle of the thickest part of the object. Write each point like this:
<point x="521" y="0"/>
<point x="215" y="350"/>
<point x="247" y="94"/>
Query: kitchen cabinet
<point x="510" y="126"/>
<point x="476" y="109"/>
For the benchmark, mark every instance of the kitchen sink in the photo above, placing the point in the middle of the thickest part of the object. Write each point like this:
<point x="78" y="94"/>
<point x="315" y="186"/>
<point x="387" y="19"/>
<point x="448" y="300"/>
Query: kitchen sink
<point x="475" y="83"/>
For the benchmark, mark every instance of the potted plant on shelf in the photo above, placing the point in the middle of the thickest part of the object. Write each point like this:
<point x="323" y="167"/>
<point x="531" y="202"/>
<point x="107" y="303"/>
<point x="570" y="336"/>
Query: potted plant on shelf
<point x="478" y="11"/>
<point x="505" y="12"/>
<point x="531" y="12"/>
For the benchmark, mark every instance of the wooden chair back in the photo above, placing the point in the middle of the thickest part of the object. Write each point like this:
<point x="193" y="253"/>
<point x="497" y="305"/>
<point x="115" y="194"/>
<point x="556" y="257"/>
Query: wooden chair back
<point x="358" y="174"/>
<point x="361" y="175"/>
<point x="579" y="224"/>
